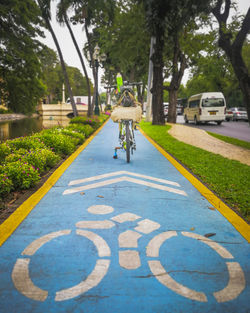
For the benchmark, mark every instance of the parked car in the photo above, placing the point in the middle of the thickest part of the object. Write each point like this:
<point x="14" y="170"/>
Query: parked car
<point x="165" y="108"/>
<point x="229" y="115"/>
<point x="179" y="109"/>
<point x="239" y="114"/>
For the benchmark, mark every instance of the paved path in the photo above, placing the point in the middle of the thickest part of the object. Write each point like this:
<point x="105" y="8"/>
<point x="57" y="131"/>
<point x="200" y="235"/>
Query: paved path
<point x="116" y="237"/>
<point x="200" y="138"/>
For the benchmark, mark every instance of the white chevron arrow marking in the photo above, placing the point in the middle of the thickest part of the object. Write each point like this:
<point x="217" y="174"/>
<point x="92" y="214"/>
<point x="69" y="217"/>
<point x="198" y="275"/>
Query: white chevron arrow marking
<point x="120" y="179"/>
<point x="159" y="180"/>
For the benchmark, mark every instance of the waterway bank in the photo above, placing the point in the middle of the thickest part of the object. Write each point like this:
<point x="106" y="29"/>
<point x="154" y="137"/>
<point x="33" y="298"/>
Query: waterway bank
<point x="15" y="116"/>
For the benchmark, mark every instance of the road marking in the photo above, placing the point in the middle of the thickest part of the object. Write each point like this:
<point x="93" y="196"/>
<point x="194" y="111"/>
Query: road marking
<point x="125" y="217"/>
<point x="100" y="209"/>
<point x="129" y="239"/>
<point x="154" y="245"/>
<point x="223" y="252"/>
<point x="147" y="226"/>
<point x="159" y="180"/>
<point x="92" y="280"/>
<point x="129" y="259"/>
<point x="162" y="276"/>
<point x="235" y="285"/>
<point x="23" y="283"/>
<point x="106" y="224"/>
<point x="101" y="245"/>
<point x="124" y="178"/>
<point x="38" y="243"/>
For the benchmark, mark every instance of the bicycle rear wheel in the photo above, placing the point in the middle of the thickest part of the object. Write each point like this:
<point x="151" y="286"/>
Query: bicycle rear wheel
<point x="127" y="142"/>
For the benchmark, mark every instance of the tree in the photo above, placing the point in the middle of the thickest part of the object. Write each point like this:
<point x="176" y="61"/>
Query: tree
<point x="62" y="17"/>
<point x="46" y="14"/>
<point x="53" y="77"/>
<point x="20" y="74"/>
<point x="88" y="13"/>
<point x="125" y="40"/>
<point x="165" y="20"/>
<point x="232" y="45"/>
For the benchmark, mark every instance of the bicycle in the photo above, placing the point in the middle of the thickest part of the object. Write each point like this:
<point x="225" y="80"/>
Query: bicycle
<point x="127" y="113"/>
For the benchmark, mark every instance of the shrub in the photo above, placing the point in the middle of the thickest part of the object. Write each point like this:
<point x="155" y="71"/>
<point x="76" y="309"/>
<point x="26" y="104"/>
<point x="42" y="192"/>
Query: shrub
<point x="41" y="159"/>
<point x="4" y="151"/>
<point x="79" y="138"/>
<point x="93" y="121"/>
<point x="23" y="175"/>
<point x="29" y="142"/>
<point x="60" y="144"/>
<point x="87" y="130"/>
<point x="6" y="184"/>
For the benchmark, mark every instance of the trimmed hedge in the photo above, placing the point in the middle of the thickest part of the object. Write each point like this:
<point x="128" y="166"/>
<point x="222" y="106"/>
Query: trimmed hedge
<point x="23" y="160"/>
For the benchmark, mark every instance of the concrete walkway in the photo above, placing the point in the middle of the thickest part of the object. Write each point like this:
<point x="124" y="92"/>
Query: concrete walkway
<point x="116" y="237"/>
<point x="201" y="139"/>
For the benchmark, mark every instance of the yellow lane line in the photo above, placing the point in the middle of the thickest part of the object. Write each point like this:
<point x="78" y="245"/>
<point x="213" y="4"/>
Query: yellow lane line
<point x="242" y="227"/>
<point x="16" y="218"/>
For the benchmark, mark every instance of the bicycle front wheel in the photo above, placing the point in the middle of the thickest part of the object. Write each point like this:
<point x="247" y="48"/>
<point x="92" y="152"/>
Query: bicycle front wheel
<point x="127" y="142"/>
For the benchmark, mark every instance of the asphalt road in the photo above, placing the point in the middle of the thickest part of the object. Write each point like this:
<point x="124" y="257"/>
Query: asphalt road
<point x="239" y="130"/>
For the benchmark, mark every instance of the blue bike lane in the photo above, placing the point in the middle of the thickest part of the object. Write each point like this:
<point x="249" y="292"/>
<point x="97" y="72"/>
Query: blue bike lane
<point x="116" y="237"/>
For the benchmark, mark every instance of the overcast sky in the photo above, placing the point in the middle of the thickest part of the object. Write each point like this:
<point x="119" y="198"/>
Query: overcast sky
<point x="67" y="47"/>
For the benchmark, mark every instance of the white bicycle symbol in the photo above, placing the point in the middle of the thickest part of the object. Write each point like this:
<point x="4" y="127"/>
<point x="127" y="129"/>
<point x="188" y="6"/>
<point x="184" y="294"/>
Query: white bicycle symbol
<point x="128" y="259"/>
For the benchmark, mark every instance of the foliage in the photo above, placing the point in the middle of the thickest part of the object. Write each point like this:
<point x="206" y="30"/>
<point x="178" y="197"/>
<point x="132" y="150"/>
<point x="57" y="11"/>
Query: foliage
<point x="53" y="77"/>
<point x="233" y="141"/>
<point x="74" y="134"/>
<point x="30" y="142"/>
<point x="87" y="130"/>
<point x="93" y="121"/>
<point x="20" y="83"/>
<point x="4" y="151"/>
<point x="59" y="143"/>
<point x="232" y="37"/>
<point x="6" y="184"/>
<point x="22" y="174"/>
<point x="229" y="179"/>
<point x="23" y="159"/>
<point x="40" y="159"/>
<point x="127" y="29"/>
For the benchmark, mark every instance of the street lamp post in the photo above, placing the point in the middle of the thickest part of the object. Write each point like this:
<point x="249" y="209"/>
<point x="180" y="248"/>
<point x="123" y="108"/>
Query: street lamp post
<point x="97" y="58"/>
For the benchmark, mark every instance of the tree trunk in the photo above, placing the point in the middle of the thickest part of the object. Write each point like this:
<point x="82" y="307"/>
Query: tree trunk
<point x="82" y="63"/>
<point x="157" y="89"/>
<point x="233" y="49"/>
<point x="177" y="74"/>
<point x="75" y="113"/>
<point x="93" y="67"/>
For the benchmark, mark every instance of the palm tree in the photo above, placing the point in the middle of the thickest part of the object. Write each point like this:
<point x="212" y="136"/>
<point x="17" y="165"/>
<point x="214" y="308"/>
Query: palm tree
<point x="46" y="14"/>
<point x="62" y="17"/>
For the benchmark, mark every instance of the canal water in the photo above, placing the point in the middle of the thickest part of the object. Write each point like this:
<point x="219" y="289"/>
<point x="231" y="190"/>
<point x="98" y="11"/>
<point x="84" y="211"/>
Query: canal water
<point x="28" y="126"/>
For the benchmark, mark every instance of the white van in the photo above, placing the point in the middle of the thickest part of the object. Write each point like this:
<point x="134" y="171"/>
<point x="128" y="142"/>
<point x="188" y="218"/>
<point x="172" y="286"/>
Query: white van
<point x="206" y="107"/>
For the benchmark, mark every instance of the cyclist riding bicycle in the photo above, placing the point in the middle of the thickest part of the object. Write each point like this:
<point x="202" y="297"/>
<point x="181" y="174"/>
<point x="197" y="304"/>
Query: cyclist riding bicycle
<point x="127" y="112"/>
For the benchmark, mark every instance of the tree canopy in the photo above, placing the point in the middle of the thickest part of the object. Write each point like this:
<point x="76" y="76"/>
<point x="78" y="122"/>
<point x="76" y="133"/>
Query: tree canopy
<point x="20" y="75"/>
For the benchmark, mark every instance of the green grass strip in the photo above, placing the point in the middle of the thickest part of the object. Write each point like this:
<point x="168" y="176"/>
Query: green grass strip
<point x="233" y="141"/>
<point x="229" y="179"/>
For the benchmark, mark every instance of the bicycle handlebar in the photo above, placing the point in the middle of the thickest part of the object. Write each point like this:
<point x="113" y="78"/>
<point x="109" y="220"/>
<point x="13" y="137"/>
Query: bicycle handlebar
<point x="124" y="85"/>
